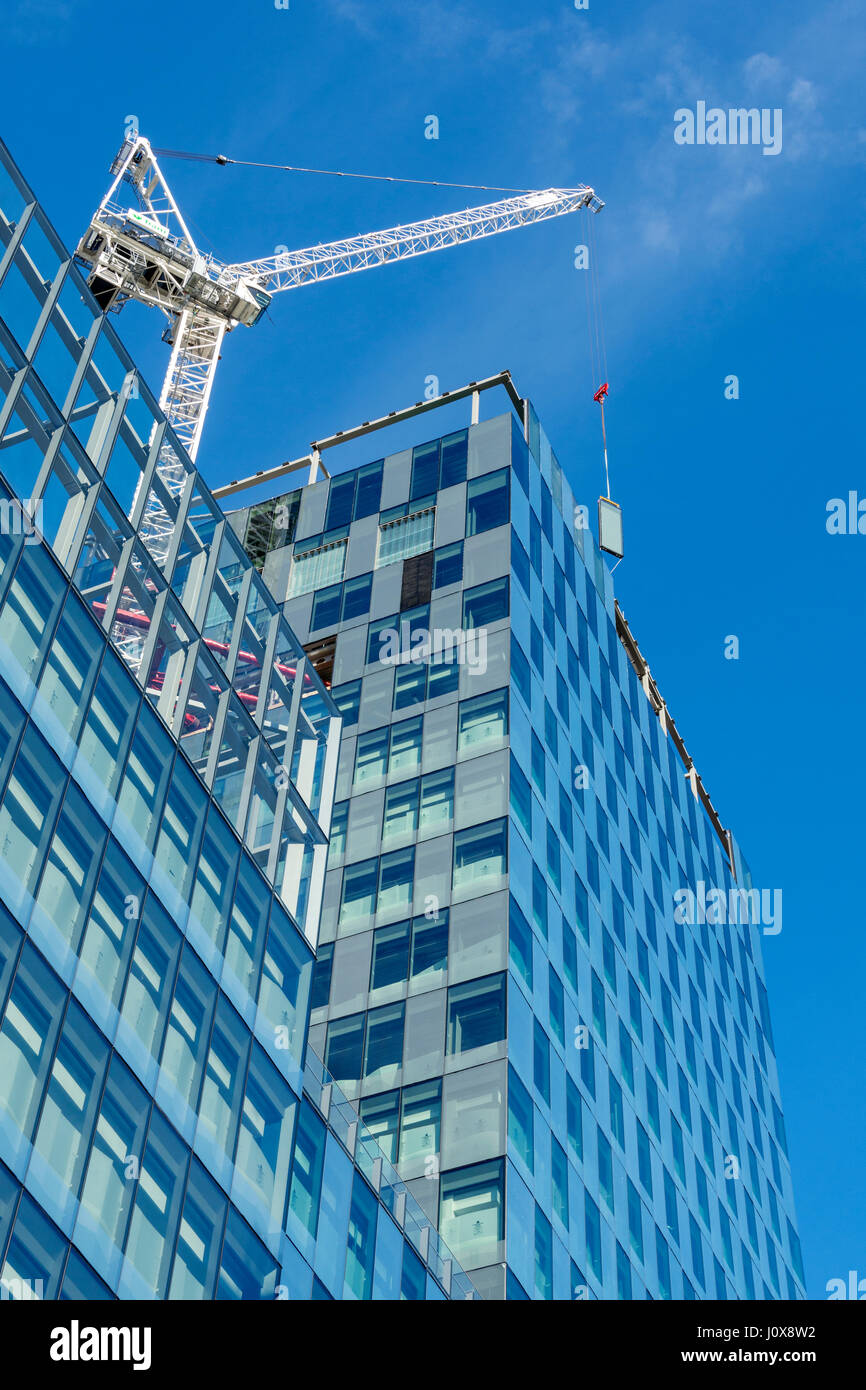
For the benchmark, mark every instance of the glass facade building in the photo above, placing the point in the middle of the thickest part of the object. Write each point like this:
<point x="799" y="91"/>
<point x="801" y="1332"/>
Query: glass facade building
<point x="579" y="1088"/>
<point x="168" y="757"/>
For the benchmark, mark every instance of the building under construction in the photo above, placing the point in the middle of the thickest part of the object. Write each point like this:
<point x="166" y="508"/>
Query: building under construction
<point x="340" y="842"/>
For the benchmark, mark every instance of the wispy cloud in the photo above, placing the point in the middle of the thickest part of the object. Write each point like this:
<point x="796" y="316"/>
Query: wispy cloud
<point x="567" y="66"/>
<point x="33" y="22"/>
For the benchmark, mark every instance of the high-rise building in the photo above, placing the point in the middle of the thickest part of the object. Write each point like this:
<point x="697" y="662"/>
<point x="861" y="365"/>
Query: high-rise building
<point x="167" y="765"/>
<point x="568" y="1058"/>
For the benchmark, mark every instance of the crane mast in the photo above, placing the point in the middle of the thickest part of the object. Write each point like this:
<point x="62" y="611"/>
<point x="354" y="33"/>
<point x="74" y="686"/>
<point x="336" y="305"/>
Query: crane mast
<point x="142" y="249"/>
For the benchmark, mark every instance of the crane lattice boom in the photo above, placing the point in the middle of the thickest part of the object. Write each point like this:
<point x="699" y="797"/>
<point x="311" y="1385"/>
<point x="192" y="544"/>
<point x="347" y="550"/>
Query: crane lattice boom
<point x="295" y="268"/>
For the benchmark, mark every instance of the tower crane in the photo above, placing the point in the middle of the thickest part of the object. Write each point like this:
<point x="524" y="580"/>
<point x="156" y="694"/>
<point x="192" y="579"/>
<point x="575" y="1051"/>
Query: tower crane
<point x="138" y="246"/>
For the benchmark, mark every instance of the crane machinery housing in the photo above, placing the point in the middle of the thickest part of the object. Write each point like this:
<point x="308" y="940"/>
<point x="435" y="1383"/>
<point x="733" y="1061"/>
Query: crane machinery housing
<point x="138" y="246"/>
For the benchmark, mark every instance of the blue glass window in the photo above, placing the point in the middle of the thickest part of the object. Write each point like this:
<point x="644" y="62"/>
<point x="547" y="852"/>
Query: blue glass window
<point x="341" y="500"/>
<point x="345" y="1048"/>
<point x="413" y="1280"/>
<point x="321" y="990"/>
<point x="581" y="898"/>
<point x="71" y="665"/>
<point x="471" y="1213"/>
<point x="476" y="1014"/>
<point x="487" y="502"/>
<point x="573" y="1117"/>
<point x="617" y="1116"/>
<point x="420" y="1122"/>
<point x="196" y="1263"/>
<point x="35" y="1255"/>
<point x="663" y="1265"/>
<point x="623" y="1273"/>
<point x="247" y="1270"/>
<point x="359" y="890"/>
<point x="569" y="955"/>
<point x="395" y="880"/>
<point x="156" y="1210"/>
<point x="142" y="792"/>
<point x="436" y="811"/>
<point x="520" y="1119"/>
<point x="361" y="1248"/>
<point x="643" y="1159"/>
<point x="593" y="1236"/>
<point x="536" y="647"/>
<point x="605" y="1168"/>
<point x="535" y="549"/>
<point x="347" y="698"/>
<point x="539" y="899"/>
<point x="541" y="1060"/>
<point x="71" y="866"/>
<point x="215" y="879"/>
<point x="454" y="456"/>
<point x="223" y="1085"/>
<point x="481" y="857"/>
<point x="384" y="1050"/>
<point x="557" y="1005"/>
<point x="543" y="1255"/>
<point x="519" y="455"/>
<point x="369" y="490"/>
<point x="356" y="597"/>
<point x="486" y="603"/>
<point x="30" y="609"/>
<point x="520" y="673"/>
<point x="429" y="946"/>
<point x="521" y="798"/>
<point x="29" y="808"/>
<point x="410" y="684"/>
<point x="448" y="565"/>
<point x="554" y="860"/>
<point x="520" y="943"/>
<point x="150" y="985"/>
<point x="107" y="1196"/>
<point x="520" y="564"/>
<point x="380" y="1114"/>
<point x="425" y="470"/>
<point x="80" y="1282"/>
<point x="62" y="1140"/>
<point x="635" y="1220"/>
<point x="307" y="1164"/>
<point x="390" y="955"/>
<point x="285" y="982"/>
<point x="538" y="763"/>
<point x="326" y="607"/>
<point x="559" y="1181"/>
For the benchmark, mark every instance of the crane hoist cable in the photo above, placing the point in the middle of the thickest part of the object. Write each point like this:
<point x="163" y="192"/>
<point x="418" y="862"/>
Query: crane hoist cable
<point x="599" y="396"/>
<point x="334" y="173"/>
<point x="598" y="349"/>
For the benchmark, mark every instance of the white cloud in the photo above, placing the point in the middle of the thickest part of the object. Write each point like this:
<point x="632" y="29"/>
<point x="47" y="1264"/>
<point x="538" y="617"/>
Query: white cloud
<point x="803" y="95"/>
<point x="761" y="69"/>
<point x="36" y="21"/>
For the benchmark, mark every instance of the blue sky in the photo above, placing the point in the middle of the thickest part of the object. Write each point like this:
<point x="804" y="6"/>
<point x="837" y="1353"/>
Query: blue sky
<point x="713" y="260"/>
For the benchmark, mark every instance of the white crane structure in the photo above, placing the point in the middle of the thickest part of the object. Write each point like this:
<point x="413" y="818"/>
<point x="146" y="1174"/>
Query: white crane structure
<point x="142" y="249"/>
